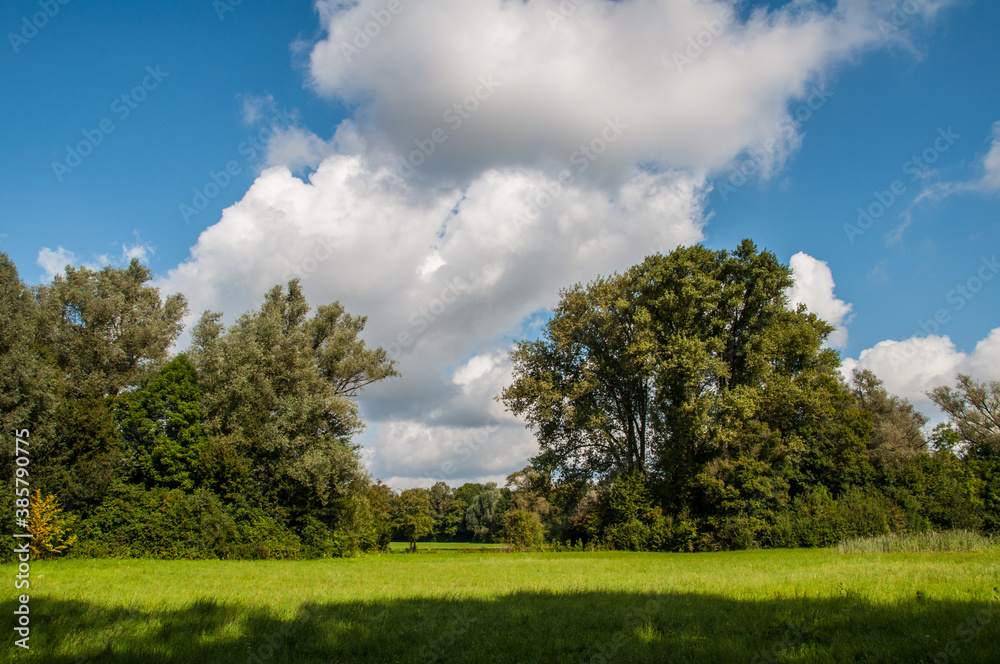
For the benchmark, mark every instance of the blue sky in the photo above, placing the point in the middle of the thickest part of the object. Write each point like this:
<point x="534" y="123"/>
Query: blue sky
<point x="64" y="80"/>
<point x="320" y="197"/>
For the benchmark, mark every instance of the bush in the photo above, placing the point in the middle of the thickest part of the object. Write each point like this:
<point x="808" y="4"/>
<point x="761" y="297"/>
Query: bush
<point x="625" y="519"/>
<point x="633" y="535"/>
<point x="167" y="523"/>
<point x="318" y="539"/>
<point x="522" y="530"/>
<point x="50" y="527"/>
<point x="943" y="491"/>
<point x="740" y="532"/>
<point x="816" y="519"/>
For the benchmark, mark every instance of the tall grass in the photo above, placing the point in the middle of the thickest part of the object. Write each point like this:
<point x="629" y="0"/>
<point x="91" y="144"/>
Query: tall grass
<point x="947" y="541"/>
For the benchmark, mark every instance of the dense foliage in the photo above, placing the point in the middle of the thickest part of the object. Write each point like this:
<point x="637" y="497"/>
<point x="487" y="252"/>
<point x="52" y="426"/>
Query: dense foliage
<point x="685" y="406"/>
<point x="680" y="406"/>
<point x="241" y="447"/>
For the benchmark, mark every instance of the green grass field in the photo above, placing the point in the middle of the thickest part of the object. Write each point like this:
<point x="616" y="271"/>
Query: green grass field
<point x="765" y="606"/>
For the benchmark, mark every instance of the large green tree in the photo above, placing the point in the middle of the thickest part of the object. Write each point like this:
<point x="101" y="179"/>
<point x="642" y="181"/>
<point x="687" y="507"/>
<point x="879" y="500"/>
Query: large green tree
<point x="485" y="516"/>
<point x="461" y="498"/>
<point x="103" y="332"/>
<point x="974" y="410"/>
<point x="896" y="425"/>
<point x="589" y="385"/>
<point x="26" y="398"/>
<point x="446" y="520"/>
<point x="106" y="330"/>
<point x="683" y="359"/>
<point x="26" y="381"/>
<point x="278" y="405"/>
<point x="412" y="515"/>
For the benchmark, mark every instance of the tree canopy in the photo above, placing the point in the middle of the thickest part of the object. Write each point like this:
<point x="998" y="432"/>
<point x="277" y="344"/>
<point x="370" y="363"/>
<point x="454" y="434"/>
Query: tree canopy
<point x="974" y="408"/>
<point x="656" y="370"/>
<point x="278" y="402"/>
<point x="680" y="405"/>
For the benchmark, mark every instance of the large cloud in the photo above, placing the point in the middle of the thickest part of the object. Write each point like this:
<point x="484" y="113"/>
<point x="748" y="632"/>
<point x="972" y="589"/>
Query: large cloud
<point x="583" y="140"/>
<point x="695" y="84"/>
<point x="442" y="274"/>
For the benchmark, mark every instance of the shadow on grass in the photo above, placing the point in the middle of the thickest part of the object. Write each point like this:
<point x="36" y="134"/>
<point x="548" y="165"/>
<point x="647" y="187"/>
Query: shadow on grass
<point x="524" y="627"/>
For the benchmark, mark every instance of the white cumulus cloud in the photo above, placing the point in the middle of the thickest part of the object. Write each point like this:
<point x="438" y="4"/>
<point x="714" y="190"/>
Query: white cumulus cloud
<point x="497" y="153"/>
<point x="509" y="83"/>
<point x="914" y="366"/>
<point x="814" y="288"/>
<point x="441" y="274"/>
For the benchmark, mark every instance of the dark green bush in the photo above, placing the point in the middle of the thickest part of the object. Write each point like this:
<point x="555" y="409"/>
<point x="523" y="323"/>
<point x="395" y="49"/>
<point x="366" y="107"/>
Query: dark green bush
<point x="134" y="522"/>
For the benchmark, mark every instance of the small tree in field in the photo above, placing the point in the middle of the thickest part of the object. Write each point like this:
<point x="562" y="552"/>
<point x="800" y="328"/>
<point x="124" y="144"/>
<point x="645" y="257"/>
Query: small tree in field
<point x="49" y="525"/>
<point x="412" y="515"/>
<point x="522" y="529"/>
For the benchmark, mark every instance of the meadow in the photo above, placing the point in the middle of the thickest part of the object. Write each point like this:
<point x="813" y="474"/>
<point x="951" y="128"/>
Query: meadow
<point x="805" y="605"/>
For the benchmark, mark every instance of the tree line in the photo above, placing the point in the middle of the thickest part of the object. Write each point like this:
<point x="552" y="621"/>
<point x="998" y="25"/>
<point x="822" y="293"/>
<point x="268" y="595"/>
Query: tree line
<point x="681" y="405"/>
<point x="242" y="446"/>
<point x="690" y="408"/>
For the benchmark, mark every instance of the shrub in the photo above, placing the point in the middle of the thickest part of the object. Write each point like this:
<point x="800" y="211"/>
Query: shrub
<point x="50" y="526"/>
<point x="633" y="535"/>
<point x="868" y="512"/>
<point x="816" y="519"/>
<point x="624" y="518"/>
<point x="167" y="523"/>
<point x="740" y="532"/>
<point x="522" y="530"/>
